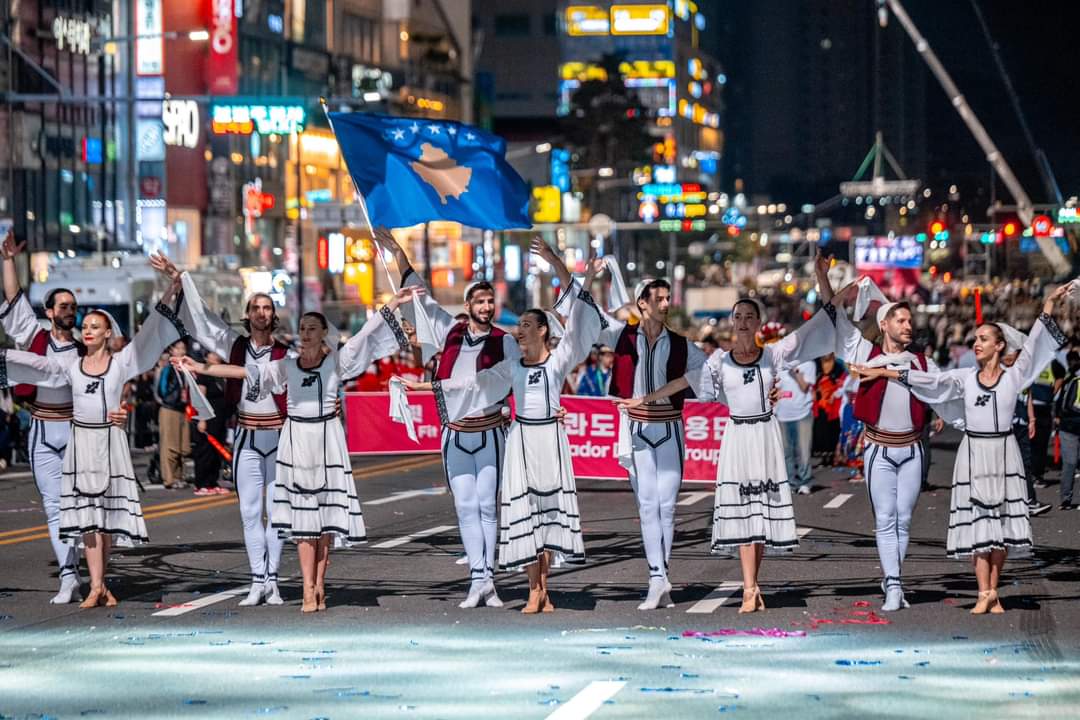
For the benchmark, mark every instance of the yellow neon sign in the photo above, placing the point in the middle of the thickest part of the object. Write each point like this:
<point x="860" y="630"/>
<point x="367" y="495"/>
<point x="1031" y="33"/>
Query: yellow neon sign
<point x="587" y="20"/>
<point x="640" y="19"/>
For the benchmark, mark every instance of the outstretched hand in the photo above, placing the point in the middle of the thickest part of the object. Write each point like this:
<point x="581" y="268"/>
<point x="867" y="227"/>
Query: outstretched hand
<point x="538" y="247"/>
<point x="629" y="403"/>
<point x="405" y="295"/>
<point x="165" y="266"/>
<point x="1053" y="298"/>
<point x="9" y="249"/>
<point x="188" y="363"/>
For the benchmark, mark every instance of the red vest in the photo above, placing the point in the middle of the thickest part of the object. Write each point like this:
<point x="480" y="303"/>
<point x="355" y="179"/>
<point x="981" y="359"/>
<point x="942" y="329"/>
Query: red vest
<point x="39" y="346"/>
<point x="871" y="395"/>
<point x="490" y="355"/>
<point x="626" y="360"/>
<point x="237" y="356"/>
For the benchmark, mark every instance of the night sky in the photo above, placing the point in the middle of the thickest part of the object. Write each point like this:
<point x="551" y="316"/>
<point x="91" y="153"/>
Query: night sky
<point x="1040" y="45"/>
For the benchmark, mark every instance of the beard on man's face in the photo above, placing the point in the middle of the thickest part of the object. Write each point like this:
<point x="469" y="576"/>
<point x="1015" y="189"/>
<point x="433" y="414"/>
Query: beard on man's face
<point x="64" y="322"/>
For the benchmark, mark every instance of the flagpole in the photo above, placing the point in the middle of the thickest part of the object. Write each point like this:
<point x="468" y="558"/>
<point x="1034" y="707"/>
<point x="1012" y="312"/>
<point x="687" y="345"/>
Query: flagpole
<point x="363" y="206"/>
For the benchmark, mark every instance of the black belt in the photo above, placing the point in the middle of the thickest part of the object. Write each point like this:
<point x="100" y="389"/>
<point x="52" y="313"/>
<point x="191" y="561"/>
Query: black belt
<point x="976" y="434"/>
<point x="91" y="426"/>
<point x="536" y="421"/>
<point x="319" y="419"/>
<point x="751" y="419"/>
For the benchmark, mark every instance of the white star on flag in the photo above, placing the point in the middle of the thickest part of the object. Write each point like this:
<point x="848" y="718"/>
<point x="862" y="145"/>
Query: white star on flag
<point x="414" y="127"/>
<point x="399" y="134"/>
<point x="470" y="136"/>
<point x="451" y="130"/>
<point x="434" y="129"/>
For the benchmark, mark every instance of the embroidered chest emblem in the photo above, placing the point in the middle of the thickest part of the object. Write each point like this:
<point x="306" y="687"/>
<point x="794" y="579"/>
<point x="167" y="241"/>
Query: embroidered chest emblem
<point x="982" y="400"/>
<point x="309" y="381"/>
<point x="748" y="376"/>
<point x="534" y="377"/>
<point x="91" y="388"/>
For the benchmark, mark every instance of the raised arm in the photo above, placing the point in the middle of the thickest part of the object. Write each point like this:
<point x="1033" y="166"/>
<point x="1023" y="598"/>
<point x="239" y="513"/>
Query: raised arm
<point x="441" y="320"/>
<point x="822" y="263"/>
<point x="161" y="329"/>
<point x="381" y="336"/>
<point x="211" y="331"/>
<point x="610" y="326"/>
<point x="582" y="330"/>
<point x="221" y="370"/>
<point x="467" y="396"/>
<point x="16" y="315"/>
<point x="816" y="337"/>
<point x="1042" y="343"/>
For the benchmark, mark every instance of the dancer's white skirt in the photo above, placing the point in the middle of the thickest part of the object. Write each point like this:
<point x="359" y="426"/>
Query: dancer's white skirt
<point x="98" y="491"/>
<point x="314" y="493"/>
<point x="977" y="523"/>
<point x="538" y="507"/>
<point x="752" y="504"/>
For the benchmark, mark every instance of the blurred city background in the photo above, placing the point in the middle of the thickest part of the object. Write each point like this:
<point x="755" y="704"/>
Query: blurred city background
<point x="716" y="143"/>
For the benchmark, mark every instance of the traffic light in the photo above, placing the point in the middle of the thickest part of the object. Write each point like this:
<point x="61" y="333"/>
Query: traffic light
<point x="1010" y="229"/>
<point x="936" y="227"/>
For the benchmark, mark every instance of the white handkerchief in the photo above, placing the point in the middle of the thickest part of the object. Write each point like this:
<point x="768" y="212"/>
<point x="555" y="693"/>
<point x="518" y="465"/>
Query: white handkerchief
<point x="425" y="331"/>
<point x="868" y="292"/>
<point x="203" y="409"/>
<point x="399" y="408"/>
<point x="618" y="295"/>
<point x="625" y="448"/>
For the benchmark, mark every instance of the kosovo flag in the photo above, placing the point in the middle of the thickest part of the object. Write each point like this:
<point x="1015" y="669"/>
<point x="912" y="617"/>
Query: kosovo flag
<point x="413" y="170"/>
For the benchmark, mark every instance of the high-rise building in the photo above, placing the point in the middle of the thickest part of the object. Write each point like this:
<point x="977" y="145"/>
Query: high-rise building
<point x="811" y="82"/>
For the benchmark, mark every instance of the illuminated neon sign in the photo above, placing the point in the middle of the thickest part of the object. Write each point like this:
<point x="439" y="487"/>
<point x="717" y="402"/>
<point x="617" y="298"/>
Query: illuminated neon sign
<point x="263" y="119"/>
<point x="640" y="20"/>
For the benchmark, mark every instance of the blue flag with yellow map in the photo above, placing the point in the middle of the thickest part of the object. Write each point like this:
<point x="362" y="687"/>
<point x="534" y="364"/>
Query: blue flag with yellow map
<point x="413" y="170"/>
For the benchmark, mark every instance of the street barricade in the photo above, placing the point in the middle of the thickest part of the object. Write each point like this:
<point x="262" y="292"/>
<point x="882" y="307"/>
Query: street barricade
<point x="592" y="427"/>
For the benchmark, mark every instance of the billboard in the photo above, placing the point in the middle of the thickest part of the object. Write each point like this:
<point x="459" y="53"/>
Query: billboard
<point x="883" y="252"/>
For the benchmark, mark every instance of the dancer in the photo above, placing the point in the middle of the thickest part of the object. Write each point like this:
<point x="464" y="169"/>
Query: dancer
<point x="472" y="447"/>
<point x="314" y="494"/>
<point x="989" y="512"/>
<point x="99" y="497"/>
<point x="648" y="356"/>
<point x="894" y="420"/>
<point x="259" y="421"/>
<point x="50" y="407"/>
<point x="539" y="494"/>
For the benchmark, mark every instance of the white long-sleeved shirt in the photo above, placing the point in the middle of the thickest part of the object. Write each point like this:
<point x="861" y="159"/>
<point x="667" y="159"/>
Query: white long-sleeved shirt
<point x="94" y="395"/>
<point x="22" y="326"/>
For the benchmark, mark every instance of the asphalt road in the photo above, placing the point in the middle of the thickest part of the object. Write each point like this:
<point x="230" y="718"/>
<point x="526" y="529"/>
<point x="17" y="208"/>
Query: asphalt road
<point x="394" y="643"/>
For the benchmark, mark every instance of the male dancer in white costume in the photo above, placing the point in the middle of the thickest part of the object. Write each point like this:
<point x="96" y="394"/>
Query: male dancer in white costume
<point x="894" y="418"/>
<point x="648" y="356"/>
<point x="51" y="408"/>
<point x="473" y="448"/>
<point x="259" y="423"/>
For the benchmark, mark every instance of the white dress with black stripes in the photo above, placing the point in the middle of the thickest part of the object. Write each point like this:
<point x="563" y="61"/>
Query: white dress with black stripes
<point x="315" y="494"/>
<point x="989" y="509"/>
<point x="752" y="504"/>
<point x="99" y="492"/>
<point x="538" y="507"/>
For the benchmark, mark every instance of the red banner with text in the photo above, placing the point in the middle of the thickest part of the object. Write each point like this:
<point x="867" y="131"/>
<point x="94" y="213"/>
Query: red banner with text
<point x="223" y="59"/>
<point x="592" y="427"/>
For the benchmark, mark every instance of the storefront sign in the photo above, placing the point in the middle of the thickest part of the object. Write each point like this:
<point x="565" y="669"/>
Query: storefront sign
<point x="640" y="19"/>
<point x="263" y="119"/>
<point x="181" y="119"/>
<point x="222" y="61"/>
<point x="882" y="252"/>
<point x="585" y="20"/>
<point x="149" y="51"/>
<point x="592" y="427"/>
<point x="72" y="34"/>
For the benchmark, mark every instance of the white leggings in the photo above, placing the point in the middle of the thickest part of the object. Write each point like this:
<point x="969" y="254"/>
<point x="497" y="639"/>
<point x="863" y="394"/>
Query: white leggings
<point x="48" y="438"/>
<point x="254" y="470"/>
<point x="893" y="479"/>
<point x="656" y="475"/>
<point x="473" y="464"/>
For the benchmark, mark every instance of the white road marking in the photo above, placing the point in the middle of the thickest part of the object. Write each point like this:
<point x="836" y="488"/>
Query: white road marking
<point x="694" y="497"/>
<point x="803" y="532"/>
<point x="838" y="501"/>
<point x="20" y="475"/>
<point x="202" y="602"/>
<point x="716" y="598"/>
<point x="588" y="700"/>
<point x="414" y="536"/>
<point x="405" y="495"/>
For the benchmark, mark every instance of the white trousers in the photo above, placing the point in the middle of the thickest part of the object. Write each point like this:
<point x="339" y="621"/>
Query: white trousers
<point x="48" y="440"/>
<point x="893" y="479"/>
<point x="473" y="465"/>
<point x="656" y="476"/>
<point x="254" y="471"/>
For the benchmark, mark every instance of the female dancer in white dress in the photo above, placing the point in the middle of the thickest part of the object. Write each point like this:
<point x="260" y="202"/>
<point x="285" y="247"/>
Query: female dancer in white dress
<point x="989" y="512"/>
<point x="538" y="505"/>
<point x="752" y="509"/>
<point x="315" y="496"/>
<point x="99" y="497"/>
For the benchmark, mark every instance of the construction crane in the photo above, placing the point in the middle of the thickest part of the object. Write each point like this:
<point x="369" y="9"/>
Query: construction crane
<point x="1024" y="207"/>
